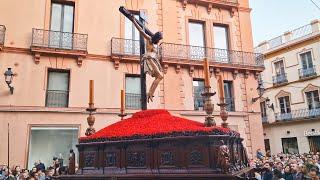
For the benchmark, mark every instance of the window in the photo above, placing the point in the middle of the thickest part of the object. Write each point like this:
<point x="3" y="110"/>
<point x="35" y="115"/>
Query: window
<point x="290" y="145"/>
<point x="306" y="60"/>
<point x="198" y="88"/>
<point x="62" y="19"/>
<point x="284" y="105"/>
<point x="263" y="109"/>
<point x="279" y="67"/>
<point x="133" y="92"/>
<point x="132" y="36"/>
<point x="221" y="43"/>
<point x="196" y="40"/>
<point x="57" y="88"/>
<point x="314" y="142"/>
<point x="267" y="145"/>
<point x="228" y="94"/>
<point x="48" y="142"/>
<point x="313" y="99"/>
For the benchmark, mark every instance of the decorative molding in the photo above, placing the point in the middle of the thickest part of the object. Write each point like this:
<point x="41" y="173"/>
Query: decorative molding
<point x="235" y="74"/>
<point x="80" y="60"/>
<point x="246" y="74"/>
<point x="282" y="93"/>
<point x="233" y="11"/>
<point x="184" y="4"/>
<point x="165" y="68"/>
<point x="211" y="71"/>
<point x="178" y="68"/>
<point x="310" y="87"/>
<point x="256" y="75"/>
<point x="116" y="63"/>
<point x="217" y="72"/>
<point x="191" y="71"/>
<point x="209" y="8"/>
<point x="89" y="159"/>
<point x="195" y="157"/>
<point x="36" y="58"/>
<point x="167" y="158"/>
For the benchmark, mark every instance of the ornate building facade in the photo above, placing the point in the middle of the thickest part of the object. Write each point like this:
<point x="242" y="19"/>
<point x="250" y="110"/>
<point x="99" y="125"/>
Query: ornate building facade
<point x="55" y="47"/>
<point x="290" y="104"/>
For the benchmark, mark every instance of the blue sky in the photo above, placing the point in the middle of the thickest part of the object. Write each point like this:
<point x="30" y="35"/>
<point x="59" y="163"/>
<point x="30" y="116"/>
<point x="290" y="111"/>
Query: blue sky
<point x="271" y="18"/>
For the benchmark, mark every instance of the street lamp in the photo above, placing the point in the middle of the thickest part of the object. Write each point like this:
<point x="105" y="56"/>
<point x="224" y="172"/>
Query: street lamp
<point x="260" y="90"/>
<point x="8" y="75"/>
<point x="271" y="106"/>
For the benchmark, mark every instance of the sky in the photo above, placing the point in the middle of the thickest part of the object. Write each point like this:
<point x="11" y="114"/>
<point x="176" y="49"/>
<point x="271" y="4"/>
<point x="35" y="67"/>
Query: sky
<point x="271" y="18"/>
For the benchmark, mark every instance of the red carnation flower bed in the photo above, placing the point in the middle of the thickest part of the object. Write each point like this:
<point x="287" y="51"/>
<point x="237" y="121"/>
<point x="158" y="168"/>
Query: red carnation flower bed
<point x="153" y="123"/>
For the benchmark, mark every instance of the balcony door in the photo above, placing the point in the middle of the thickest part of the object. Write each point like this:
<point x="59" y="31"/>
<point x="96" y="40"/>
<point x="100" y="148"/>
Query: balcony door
<point x="285" y="108"/>
<point x="280" y="72"/>
<point x="221" y="44"/>
<point x="58" y="88"/>
<point x="313" y="103"/>
<point x="228" y="94"/>
<point x="132" y="36"/>
<point x="307" y="64"/>
<point x="198" y="88"/>
<point x="196" y="41"/>
<point x="62" y="20"/>
<point x="133" y="92"/>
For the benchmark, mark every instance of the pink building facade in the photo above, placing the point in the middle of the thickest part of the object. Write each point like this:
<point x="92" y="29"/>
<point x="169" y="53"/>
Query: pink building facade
<point x="55" y="47"/>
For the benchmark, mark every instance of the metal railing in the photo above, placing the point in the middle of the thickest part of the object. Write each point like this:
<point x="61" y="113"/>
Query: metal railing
<point x="307" y="72"/>
<point x="280" y="40"/>
<point x="198" y="101"/>
<point x="121" y="46"/>
<point x="181" y="52"/>
<point x="59" y="40"/>
<point x="279" y="79"/>
<point x="2" y="34"/>
<point x="298" y="114"/>
<point x="133" y="101"/>
<point x="57" y="98"/>
<point x="230" y="104"/>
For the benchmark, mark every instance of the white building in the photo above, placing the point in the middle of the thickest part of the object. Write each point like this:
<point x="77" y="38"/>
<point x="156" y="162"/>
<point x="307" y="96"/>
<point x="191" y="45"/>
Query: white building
<point x="290" y="104"/>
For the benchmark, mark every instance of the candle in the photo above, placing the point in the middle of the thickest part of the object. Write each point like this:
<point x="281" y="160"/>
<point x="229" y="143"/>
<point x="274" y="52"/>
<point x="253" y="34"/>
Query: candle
<point x="122" y="101"/>
<point x="91" y="92"/>
<point x="220" y="85"/>
<point x="206" y="72"/>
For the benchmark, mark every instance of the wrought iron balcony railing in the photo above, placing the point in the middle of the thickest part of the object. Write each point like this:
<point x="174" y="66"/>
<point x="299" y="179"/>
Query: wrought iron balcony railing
<point x="59" y="40"/>
<point x="230" y="104"/>
<point x="133" y="101"/>
<point x="298" y="114"/>
<point x="125" y="47"/>
<point x="179" y="52"/>
<point x="57" y="98"/>
<point x="307" y="72"/>
<point x="2" y="34"/>
<point x="280" y="79"/>
<point x="198" y="101"/>
<point x="186" y="52"/>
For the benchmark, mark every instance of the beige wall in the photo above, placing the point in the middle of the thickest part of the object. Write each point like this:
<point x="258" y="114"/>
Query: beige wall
<point x="101" y="20"/>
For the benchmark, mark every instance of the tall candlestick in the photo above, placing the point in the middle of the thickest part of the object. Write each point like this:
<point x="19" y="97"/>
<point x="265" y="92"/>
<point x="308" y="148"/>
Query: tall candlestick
<point x="122" y="101"/>
<point x="220" y="85"/>
<point x="206" y="72"/>
<point x="91" y="92"/>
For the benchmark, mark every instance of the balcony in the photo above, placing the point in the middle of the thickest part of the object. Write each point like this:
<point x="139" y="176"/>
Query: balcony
<point x="279" y="79"/>
<point x="133" y="101"/>
<point x="230" y="104"/>
<point x="2" y="35"/>
<point x="56" y="98"/>
<point x="298" y="114"/>
<point x="56" y="42"/>
<point x="171" y="53"/>
<point x="307" y="72"/>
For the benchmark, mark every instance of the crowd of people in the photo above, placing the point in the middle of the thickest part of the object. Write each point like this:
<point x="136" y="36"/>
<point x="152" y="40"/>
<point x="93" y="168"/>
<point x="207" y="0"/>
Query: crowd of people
<point x="286" y="166"/>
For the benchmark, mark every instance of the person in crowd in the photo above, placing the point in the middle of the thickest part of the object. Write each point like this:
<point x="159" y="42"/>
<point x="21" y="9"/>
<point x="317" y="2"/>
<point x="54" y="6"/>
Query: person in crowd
<point x="267" y="173"/>
<point x="313" y="174"/>
<point x="40" y="166"/>
<point x="260" y="154"/>
<point x="287" y="175"/>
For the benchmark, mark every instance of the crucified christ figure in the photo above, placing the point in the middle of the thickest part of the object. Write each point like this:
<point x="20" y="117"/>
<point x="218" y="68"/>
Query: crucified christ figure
<point x="150" y="60"/>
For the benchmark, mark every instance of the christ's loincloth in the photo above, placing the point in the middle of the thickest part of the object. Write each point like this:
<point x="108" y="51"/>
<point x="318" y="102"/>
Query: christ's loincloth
<point x="147" y="59"/>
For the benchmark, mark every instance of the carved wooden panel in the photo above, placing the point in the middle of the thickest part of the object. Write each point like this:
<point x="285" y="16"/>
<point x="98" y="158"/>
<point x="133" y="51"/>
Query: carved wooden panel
<point x="136" y="159"/>
<point x="167" y="158"/>
<point x="111" y="159"/>
<point x="89" y="159"/>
